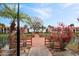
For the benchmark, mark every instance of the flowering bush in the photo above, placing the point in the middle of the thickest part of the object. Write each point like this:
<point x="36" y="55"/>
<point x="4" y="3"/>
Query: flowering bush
<point x="63" y="36"/>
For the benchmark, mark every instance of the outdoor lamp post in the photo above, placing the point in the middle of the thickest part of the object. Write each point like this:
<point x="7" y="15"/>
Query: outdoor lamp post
<point x="18" y="32"/>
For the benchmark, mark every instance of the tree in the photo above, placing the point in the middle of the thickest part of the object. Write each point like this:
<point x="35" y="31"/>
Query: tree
<point x="10" y="11"/>
<point x="25" y="27"/>
<point x="36" y="24"/>
<point x="71" y="24"/>
<point x="2" y="26"/>
<point x="43" y="27"/>
<point x="73" y="29"/>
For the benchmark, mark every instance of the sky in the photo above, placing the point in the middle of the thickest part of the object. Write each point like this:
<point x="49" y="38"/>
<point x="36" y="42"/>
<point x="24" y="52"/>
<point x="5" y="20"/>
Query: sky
<point x="50" y="13"/>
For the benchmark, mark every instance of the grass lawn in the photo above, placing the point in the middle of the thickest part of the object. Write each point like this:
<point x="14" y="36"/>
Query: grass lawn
<point x="3" y="36"/>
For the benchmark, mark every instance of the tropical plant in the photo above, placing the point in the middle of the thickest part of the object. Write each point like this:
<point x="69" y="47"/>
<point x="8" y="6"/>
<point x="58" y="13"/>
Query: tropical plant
<point x="10" y="11"/>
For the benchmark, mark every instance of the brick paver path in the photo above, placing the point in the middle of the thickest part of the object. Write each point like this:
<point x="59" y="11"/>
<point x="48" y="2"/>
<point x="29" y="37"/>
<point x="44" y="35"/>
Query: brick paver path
<point x="38" y="47"/>
<point x="38" y="41"/>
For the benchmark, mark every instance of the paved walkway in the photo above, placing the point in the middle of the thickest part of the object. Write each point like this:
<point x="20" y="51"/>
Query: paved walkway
<point x="37" y="41"/>
<point x="39" y="51"/>
<point x="38" y="47"/>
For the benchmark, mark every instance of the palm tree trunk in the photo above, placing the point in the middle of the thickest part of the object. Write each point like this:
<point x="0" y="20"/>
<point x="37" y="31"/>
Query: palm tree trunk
<point x="12" y="27"/>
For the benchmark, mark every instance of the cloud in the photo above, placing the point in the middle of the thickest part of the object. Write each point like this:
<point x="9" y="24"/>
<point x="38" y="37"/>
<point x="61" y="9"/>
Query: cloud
<point x="76" y="7"/>
<point x="65" y="5"/>
<point x="43" y="12"/>
<point x="77" y="12"/>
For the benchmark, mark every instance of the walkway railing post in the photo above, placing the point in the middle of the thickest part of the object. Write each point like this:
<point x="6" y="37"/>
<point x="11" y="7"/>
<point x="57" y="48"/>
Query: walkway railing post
<point x="18" y="32"/>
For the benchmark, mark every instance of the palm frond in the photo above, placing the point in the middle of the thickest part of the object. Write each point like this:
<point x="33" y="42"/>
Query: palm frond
<point x="9" y="11"/>
<point x="25" y="18"/>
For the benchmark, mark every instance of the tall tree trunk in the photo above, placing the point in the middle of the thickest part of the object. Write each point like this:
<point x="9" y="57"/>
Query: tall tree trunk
<point x="11" y="35"/>
<point x="2" y="30"/>
<point x="42" y="29"/>
<point x="12" y="27"/>
<point x="34" y="30"/>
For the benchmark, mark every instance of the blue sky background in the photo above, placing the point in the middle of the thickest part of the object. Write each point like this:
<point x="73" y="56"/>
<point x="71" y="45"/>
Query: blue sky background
<point x="50" y="13"/>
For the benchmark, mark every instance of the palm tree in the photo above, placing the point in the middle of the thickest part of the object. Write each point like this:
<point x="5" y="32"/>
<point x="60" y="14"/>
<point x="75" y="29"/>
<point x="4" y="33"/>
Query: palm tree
<point x="10" y="12"/>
